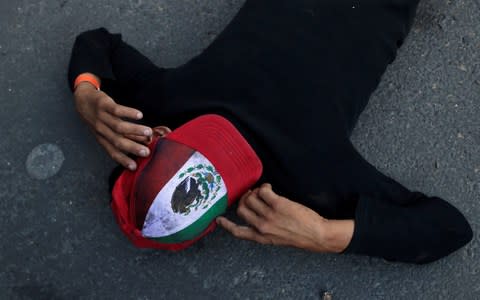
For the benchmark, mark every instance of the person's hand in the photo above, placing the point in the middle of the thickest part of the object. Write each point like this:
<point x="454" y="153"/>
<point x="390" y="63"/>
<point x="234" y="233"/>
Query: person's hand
<point x="276" y="220"/>
<point x="109" y="122"/>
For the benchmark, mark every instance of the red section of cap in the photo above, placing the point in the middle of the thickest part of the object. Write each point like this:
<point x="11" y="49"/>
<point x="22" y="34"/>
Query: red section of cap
<point x="221" y="143"/>
<point x="123" y="200"/>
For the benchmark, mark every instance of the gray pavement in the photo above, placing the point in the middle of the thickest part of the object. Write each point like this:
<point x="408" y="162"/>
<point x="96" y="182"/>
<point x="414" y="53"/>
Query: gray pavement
<point x="59" y="239"/>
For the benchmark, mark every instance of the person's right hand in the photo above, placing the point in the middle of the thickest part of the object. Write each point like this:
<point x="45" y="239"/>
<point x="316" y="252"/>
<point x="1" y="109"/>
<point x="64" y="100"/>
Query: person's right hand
<point x="109" y="122"/>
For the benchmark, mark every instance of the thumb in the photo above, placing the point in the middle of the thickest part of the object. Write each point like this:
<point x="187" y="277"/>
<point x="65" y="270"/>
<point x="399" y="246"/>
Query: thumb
<point x="267" y="186"/>
<point x="266" y="193"/>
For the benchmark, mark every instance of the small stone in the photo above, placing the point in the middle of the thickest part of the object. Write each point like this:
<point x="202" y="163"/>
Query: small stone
<point x="463" y="68"/>
<point x="327" y="296"/>
<point x="44" y="161"/>
<point x="460" y="135"/>
<point x="466" y="40"/>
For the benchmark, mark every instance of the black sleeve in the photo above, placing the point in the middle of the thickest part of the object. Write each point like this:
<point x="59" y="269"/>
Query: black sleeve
<point x="423" y="231"/>
<point x="399" y="225"/>
<point x="122" y="69"/>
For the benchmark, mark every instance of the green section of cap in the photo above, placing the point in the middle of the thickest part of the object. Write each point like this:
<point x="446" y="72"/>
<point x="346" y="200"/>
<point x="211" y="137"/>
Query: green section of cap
<point x="197" y="227"/>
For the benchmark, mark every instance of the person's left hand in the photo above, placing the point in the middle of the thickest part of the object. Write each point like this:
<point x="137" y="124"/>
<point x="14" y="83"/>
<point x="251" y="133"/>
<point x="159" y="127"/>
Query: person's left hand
<point x="276" y="220"/>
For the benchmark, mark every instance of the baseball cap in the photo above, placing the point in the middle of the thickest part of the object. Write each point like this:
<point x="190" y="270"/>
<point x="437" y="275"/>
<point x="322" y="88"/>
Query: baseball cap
<point x="192" y="175"/>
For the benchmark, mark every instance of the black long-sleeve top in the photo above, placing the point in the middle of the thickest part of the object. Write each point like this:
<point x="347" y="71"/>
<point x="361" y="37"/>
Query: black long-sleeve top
<point x="293" y="77"/>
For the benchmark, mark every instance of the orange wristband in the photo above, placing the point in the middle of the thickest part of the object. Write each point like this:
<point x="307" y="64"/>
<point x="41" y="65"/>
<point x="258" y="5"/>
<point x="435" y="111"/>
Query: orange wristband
<point x="85" y="77"/>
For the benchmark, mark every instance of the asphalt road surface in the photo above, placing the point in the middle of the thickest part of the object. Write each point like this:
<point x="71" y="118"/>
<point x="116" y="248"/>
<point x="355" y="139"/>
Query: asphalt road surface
<point x="59" y="239"/>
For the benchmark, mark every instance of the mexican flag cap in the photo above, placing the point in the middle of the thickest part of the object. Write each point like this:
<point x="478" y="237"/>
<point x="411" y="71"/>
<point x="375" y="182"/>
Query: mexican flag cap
<point x="191" y="177"/>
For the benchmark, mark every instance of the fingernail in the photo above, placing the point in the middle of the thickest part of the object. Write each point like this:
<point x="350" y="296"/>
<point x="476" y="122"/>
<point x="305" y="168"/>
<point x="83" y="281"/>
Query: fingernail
<point x="147" y="132"/>
<point x="139" y="115"/>
<point x="143" y="152"/>
<point x="132" y="167"/>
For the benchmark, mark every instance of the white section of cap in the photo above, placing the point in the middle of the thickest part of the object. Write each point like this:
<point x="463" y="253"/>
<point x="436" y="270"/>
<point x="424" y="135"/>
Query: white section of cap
<point x="161" y="220"/>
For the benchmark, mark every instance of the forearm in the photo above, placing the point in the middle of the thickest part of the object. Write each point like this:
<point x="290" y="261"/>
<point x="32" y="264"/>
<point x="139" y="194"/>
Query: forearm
<point x="91" y="54"/>
<point x="422" y="231"/>
<point x="108" y="57"/>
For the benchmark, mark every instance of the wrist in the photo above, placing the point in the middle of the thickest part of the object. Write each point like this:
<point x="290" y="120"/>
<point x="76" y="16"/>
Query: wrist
<point x="337" y="235"/>
<point x="84" y="87"/>
<point x="87" y="78"/>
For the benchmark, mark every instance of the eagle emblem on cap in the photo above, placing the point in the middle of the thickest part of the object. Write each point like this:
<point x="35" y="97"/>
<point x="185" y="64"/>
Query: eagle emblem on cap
<point x="199" y="187"/>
